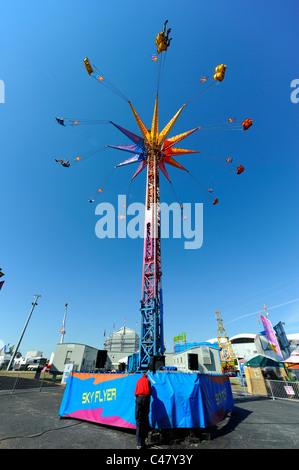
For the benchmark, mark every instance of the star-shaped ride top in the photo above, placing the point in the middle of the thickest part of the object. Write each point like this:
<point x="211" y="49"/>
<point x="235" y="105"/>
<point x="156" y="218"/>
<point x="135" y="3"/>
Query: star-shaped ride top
<point x="154" y="142"/>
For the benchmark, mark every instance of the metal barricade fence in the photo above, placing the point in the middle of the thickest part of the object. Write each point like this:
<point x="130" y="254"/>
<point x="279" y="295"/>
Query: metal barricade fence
<point x="275" y="389"/>
<point x="282" y="389"/>
<point x="22" y="381"/>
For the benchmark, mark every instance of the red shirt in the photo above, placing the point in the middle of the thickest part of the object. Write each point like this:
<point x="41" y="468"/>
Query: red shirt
<point x="143" y="386"/>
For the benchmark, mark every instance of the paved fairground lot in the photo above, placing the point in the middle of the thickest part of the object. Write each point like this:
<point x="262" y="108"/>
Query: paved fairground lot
<point x="30" y="420"/>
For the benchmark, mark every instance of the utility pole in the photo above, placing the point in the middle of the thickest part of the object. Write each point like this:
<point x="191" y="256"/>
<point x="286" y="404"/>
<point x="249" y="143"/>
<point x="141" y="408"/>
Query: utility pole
<point x="62" y="331"/>
<point x="22" y="334"/>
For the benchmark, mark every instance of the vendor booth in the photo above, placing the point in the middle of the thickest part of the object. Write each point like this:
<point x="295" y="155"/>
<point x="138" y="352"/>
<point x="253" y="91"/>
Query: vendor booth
<point x="258" y="369"/>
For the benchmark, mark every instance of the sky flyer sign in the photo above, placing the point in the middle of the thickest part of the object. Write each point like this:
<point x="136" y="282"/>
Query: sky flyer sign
<point x="270" y="334"/>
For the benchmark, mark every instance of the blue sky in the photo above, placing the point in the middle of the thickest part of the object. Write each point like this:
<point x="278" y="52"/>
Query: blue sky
<point x="48" y="245"/>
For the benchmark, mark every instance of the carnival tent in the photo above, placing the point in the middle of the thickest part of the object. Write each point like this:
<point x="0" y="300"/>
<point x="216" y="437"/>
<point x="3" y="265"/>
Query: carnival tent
<point x="262" y="361"/>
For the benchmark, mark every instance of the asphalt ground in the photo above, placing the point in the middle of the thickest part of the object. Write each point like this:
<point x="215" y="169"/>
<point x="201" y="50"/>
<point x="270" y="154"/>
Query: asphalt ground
<point x="30" y="420"/>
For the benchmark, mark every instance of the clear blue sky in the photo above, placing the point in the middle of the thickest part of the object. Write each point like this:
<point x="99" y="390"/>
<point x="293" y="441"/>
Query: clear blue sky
<point x="48" y="245"/>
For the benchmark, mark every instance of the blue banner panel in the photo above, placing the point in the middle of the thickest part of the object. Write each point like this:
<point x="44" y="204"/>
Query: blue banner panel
<point x="217" y="397"/>
<point x="176" y="401"/>
<point x="179" y="400"/>
<point x="101" y="398"/>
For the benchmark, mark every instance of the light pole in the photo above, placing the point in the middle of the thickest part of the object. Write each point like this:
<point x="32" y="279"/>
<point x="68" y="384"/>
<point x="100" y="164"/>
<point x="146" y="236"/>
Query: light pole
<point x="22" y="334"/>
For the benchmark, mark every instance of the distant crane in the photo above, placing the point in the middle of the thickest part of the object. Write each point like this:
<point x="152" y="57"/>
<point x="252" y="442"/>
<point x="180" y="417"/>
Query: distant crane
<point x="227" y="355"/>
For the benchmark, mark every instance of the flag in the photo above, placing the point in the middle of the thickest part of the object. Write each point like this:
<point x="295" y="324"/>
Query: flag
<point x="78" y="158"/>
<point x="113" y="325"/>
<point x="154" y="58"/>
<point x="229" y="159"/>
<point x="270" y="334"/>
<point x="203" y="78"/>
<point x="231" y="120"/>
<point x="104" y="332"/>
<point x="75" y="123"/>
<point x="98" y="77"/>
<point x="125" y="320"/>
<point x="99" y="190"/>
<point x="266" y="314"/>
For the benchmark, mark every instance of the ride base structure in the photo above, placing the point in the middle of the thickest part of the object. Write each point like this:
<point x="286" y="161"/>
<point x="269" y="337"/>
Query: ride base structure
<point x="179" y="400"/>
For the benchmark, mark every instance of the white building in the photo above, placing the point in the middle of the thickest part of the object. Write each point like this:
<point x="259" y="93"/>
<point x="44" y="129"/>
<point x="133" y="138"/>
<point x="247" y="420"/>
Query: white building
<point x="119" y="345"/>
<point x="204" y="359"/>
<point x="244" y="346"/>
<point x="83" y="357"/>
<point x="31" y="357"/>
<point x="294" y="340"/>
<point x="122" y="340"/>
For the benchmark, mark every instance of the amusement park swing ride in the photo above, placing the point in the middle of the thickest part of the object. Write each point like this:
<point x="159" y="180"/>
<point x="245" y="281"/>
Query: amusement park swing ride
<point x="152" y="150"/>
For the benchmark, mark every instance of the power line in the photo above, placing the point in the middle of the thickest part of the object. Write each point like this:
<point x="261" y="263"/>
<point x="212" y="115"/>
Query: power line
<point x="268" y="308"/>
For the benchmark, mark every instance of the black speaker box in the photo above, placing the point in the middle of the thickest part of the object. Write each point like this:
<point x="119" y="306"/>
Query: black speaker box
<point x="156" y="362"/>
<point x="192" y="361"/>
<point x="101" y="359"/>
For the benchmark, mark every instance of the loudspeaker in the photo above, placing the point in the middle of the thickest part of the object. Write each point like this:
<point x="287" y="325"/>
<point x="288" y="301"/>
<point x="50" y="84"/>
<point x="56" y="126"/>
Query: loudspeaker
<point x="192" y="361"/>
<point x="101" y="359"/>
<point x="156" y="362"/>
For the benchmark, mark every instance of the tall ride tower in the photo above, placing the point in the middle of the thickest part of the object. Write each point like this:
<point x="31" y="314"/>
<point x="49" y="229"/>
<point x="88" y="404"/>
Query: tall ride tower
<point x="152" y="150"/>
<point x="151" y="340"/>
<point x="157" y="150"/>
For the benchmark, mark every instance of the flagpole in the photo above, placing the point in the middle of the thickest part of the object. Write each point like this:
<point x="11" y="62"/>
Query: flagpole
<point x="22" y="334"/>
<point x="63" y="325"/>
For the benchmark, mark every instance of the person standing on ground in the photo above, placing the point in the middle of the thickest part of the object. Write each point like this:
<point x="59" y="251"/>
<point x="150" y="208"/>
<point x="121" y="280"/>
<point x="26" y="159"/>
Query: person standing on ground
<point x="143" y="393"/>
